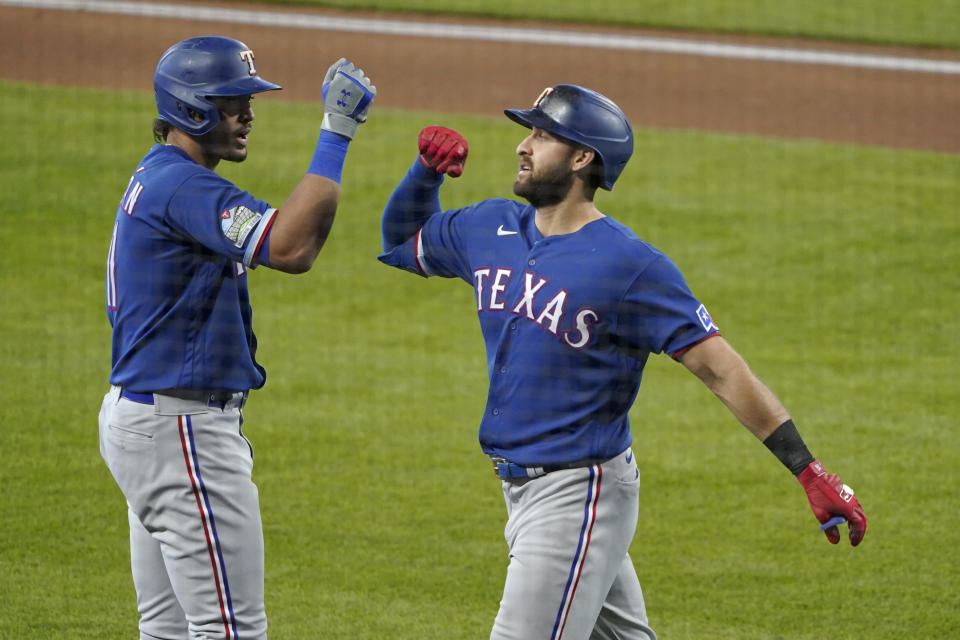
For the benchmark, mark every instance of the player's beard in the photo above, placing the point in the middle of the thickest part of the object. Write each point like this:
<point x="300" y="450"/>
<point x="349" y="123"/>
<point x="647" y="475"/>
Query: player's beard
<point x="547" y="189"/>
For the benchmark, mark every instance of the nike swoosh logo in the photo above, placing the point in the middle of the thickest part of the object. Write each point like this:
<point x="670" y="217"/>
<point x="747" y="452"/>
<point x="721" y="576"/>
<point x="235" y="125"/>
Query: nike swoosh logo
<point x="503" y="232"/>
<point x="630" y="456"/>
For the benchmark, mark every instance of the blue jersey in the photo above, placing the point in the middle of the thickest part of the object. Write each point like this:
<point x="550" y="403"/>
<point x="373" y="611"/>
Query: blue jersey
<point x="176" y="286"/>
<point x="568" y="321"/>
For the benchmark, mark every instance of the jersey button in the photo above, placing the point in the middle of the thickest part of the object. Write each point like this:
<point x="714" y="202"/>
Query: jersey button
<point x="496" y="412"/>
<point x="503" y="369"/>
<point x="531" y="262"/>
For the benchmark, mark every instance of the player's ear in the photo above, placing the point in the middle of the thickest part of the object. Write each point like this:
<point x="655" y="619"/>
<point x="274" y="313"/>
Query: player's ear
<point x="586" y="163"/>
<point x="582" y="157"/>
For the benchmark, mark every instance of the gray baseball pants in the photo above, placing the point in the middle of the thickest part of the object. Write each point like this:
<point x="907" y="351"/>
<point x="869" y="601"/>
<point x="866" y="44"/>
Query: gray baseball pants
<point x="196" y="538"/>
<point x="570" y="576"/>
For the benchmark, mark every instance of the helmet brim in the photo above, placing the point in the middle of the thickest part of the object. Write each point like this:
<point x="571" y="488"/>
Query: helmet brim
<point x="247" y="86"/>
<point x="531" y="118"/>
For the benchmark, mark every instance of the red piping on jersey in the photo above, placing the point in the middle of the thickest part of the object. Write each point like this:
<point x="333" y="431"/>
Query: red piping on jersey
<point x="266" y="232"/>
<point x="417" y="250"/>
<point x="676" y="354"/>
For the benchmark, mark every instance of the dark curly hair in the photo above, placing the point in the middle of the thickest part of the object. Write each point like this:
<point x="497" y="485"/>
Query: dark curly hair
<point x="161" y="129"/>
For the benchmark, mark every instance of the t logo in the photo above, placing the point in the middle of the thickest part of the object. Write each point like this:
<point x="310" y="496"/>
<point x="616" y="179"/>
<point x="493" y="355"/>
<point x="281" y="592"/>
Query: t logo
<point x="247" y="56"/>
<point x="546" y="92"/>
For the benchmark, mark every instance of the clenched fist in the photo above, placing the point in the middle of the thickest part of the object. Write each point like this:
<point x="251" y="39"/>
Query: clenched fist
<point x="443" y="150"/>
<point x="347" y="96"/>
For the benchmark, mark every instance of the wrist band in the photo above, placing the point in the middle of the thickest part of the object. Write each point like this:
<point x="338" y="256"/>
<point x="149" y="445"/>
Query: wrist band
<point x="329" y="156"/>
<point x="785" y="443"/>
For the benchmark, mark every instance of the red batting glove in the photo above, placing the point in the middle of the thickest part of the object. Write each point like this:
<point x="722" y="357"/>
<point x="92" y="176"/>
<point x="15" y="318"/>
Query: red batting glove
<point x="443" y="150"/>
<point x="829" y="497"/>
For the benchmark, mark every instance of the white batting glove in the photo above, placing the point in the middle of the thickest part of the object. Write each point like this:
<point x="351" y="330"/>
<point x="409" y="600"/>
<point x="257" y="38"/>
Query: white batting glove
<point x="347" y="96"/>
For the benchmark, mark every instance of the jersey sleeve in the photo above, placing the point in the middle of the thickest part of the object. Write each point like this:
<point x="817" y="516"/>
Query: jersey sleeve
<point x="215" y="213"/>
<point x="415" y="199"/>
<point x="438" y="249"/>
<point x="659" y="314"/>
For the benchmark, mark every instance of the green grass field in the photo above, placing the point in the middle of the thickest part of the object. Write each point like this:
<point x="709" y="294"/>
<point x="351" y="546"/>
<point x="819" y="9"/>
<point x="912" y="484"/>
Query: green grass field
<point x="832" y="268"/>
<point x="925" y="23"/>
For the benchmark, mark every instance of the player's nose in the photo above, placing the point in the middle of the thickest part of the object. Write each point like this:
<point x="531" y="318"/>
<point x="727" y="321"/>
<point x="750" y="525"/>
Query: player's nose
<point x="523" y="149"/>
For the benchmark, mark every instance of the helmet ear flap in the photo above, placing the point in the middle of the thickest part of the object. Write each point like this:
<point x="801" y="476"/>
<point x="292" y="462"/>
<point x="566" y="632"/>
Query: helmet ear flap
<point x="178" y="112"/>
<point x="206" y="119"/>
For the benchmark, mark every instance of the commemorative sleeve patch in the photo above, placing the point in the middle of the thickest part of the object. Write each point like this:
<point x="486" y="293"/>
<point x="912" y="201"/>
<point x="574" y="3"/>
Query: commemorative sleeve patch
<point x="238" y="222"/>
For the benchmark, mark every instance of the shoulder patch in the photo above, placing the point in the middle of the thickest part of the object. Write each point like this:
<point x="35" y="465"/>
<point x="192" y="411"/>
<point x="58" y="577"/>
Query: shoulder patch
<point x="705" y="319"/>
<point x="238" y="222"/>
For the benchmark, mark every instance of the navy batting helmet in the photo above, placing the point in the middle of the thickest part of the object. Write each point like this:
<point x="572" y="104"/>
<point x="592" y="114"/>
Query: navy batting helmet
<point x="197" y="68"/>
<point x="585" y="117"/>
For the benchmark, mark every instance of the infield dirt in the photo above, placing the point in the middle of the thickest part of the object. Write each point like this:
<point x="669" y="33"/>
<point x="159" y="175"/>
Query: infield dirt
<point x="912" y="110"/>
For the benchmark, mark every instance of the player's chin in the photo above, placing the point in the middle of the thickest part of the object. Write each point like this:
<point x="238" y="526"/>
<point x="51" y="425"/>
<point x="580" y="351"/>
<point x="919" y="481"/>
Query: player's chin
<point x="235" y="154"/>
<point x="522" y="186"/>
<point x="519" y="183"/>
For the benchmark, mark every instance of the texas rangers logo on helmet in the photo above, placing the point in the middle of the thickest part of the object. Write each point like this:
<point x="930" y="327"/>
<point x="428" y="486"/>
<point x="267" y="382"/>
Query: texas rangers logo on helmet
<point x="540" y="98"/>
<point x="247" y="56"/>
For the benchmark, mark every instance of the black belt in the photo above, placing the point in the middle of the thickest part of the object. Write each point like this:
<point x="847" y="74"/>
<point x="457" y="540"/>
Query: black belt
<point x="212" y="398"/>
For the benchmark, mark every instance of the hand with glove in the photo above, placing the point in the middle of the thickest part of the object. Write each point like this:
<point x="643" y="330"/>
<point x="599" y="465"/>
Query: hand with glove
<point x="443" y="150"/>
<point x="347" y="96"/>
<point x="829" y="497"/>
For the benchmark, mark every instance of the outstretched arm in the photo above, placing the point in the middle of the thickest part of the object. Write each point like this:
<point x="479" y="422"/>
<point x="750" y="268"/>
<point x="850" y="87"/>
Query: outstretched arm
<point x="727" y="375"/>
<point x="417" y="197"/>
<point x="304" y="220"/>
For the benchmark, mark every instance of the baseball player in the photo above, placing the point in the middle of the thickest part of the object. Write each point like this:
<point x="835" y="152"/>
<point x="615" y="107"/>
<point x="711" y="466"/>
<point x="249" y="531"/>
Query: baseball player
<point x="184" y="350"/>
<point x="571" y="303"/>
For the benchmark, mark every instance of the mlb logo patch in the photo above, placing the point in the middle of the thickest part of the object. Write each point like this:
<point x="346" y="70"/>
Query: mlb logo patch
<point x="705" y="319"/>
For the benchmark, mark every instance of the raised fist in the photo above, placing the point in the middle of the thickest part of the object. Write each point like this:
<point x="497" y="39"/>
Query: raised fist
<point x="347" y="96"/>
<point x="443" y="150"/>
<point x="829" y="497"/>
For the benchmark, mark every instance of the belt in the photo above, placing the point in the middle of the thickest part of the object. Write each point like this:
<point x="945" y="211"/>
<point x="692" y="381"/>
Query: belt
<point x="218" y="399"/>
<point x="506" y="470"/>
